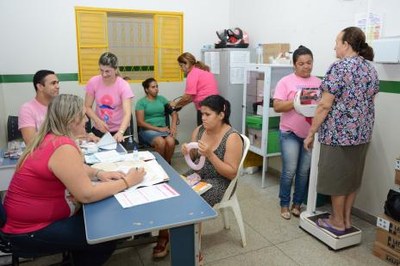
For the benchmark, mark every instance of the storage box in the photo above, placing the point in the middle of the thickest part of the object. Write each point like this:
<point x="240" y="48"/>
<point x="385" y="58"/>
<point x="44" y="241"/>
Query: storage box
<point x="386" y="223"/>
<point x="397" y="172"/>
<point x="255" y="136"/>
<point x="388" y="240"/>
<point x="254" y="121"/>
<point x="386" y="254"/>
<point x="273" y="145"/>
<point x="252" y="159"/>
<point x="272" y="50"/>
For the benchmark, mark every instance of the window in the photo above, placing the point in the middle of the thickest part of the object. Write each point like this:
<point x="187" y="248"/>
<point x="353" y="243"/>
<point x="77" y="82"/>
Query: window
<point x="147" y="44"/>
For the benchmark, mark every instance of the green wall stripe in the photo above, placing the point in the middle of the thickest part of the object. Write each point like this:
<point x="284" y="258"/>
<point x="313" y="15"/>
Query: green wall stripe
<point x="29" y="77"/>
<point x="385" y="85"/>
<point x="389" y="86"/>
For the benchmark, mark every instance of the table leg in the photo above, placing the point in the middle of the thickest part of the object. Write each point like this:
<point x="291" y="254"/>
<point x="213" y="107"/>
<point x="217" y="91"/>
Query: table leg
<point x="185" y="245"/>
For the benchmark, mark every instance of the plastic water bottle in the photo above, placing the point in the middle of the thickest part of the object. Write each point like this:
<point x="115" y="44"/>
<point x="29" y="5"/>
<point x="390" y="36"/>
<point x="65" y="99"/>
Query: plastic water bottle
<point x="135" y="153"/>
<point x="259" y="53"/>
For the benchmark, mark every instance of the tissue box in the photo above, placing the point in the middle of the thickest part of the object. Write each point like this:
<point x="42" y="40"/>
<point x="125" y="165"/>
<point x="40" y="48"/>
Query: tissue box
<point x="273" y="50"/>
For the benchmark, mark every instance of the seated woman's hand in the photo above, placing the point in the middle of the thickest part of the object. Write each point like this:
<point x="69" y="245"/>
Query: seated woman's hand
<point x="172" y="131"/>
<point x="109" y="176"/>
<point x="204" y="149"/>
<point x="163" y="129"/>
<point x="184" y="149"/>
<point x="135" y="176"/>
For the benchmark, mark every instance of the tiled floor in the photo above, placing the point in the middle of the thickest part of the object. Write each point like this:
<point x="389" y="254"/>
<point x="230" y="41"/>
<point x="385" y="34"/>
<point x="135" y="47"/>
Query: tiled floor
<point x="270" y="239"/>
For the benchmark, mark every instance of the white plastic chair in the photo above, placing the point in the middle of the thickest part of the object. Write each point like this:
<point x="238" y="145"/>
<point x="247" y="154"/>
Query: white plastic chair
<point x="229" y="200"/>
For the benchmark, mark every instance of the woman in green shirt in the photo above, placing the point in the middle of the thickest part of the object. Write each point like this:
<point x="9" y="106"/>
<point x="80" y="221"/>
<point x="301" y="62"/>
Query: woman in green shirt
<point x="150" y="117"/>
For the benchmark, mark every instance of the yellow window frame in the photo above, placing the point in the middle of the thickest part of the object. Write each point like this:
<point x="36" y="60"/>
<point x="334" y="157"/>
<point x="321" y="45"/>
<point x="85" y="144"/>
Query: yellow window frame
<point x="92" y="41"/>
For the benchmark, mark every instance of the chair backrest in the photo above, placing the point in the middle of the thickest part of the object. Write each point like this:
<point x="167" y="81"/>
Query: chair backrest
<point x="13" y="132"/>
<point x="3" y="215"/>
<point x="232" y="186"/>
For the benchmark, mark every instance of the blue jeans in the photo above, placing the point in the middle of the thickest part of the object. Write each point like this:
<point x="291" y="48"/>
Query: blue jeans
<point x="295" y="162"/>
<point x="63" y="235"/>
<point x="147" y="136"/>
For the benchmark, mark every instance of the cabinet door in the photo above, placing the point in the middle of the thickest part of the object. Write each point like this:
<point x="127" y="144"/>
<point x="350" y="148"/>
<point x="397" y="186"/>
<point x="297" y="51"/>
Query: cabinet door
<point x="254" y="100"/>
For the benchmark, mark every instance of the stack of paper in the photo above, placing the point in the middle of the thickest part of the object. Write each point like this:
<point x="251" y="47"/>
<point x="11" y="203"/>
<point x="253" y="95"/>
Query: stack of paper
<point x="194" y="180"/>
<point x="130" y="198"/>
<point x="107" y="142"/>
<point x="154" y="172"/>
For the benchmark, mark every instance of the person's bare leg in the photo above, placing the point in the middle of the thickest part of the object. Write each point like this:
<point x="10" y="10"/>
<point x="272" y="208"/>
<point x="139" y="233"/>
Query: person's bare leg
<point x="337" y="217"/>
<point x="159" y="145"/>
<point x="348" y="205"/>
<point x="169" y="148"/>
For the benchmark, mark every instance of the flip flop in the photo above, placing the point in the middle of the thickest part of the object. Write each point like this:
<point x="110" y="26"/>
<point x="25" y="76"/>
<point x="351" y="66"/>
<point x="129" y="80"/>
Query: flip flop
<point x="323" y="223"/>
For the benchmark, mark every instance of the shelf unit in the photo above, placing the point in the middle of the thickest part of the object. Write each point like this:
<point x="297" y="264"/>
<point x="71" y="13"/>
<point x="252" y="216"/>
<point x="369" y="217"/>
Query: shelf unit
<point x="259" y="84"/>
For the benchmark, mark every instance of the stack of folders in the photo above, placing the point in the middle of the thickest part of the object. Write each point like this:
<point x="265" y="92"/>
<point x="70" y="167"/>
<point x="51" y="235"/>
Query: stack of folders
<point x="194" y="180"/>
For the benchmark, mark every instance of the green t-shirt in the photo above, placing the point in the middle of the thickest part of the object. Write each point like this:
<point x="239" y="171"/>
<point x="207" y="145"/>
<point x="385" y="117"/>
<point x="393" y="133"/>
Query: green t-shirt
<point x="153" y="110"/>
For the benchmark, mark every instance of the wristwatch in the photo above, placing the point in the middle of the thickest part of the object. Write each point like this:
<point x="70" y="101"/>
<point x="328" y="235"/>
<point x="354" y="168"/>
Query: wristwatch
<point x="121" y="131"/>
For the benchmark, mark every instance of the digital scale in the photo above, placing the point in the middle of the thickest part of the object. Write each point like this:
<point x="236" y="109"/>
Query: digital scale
<point x="309" y="218"/>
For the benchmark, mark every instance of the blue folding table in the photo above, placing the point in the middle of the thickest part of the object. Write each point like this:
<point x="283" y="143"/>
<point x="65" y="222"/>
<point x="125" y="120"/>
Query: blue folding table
<point x="106" y="220"/>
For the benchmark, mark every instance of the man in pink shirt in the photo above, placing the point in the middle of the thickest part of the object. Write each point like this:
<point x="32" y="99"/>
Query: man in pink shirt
<point x="31" y="114"/>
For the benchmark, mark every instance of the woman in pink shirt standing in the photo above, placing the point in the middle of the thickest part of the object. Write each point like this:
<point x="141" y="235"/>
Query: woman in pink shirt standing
<point x="296" y="160"/>
<point x="112" y="97"/>
<point x="200" y="83"/>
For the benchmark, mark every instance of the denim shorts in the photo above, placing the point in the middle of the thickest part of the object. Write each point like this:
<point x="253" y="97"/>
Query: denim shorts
<point x="147" y="136"/>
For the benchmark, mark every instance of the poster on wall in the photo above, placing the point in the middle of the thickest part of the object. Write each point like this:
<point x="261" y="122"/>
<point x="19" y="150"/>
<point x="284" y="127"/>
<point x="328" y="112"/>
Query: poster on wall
<point x="371" y="24"/>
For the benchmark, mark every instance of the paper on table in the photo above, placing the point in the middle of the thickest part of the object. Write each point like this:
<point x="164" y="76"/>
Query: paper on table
<point x="143" y="155"/>
<point x="130" y="198"/>
<point x="108" y="156"/>
<point x="154" y="172"/>
<point x="107" y="142"/>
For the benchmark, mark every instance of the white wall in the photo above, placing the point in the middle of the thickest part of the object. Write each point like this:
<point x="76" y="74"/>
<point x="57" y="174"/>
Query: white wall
<point x="41" y="35"/>
<point x="315" y="24"/>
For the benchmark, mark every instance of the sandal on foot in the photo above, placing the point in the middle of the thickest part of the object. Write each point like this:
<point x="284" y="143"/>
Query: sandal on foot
<point x="161" y="249"/>
<point x="296" y="210"/>
<point x="324" y="224"/>
<point x="285" y="214"/>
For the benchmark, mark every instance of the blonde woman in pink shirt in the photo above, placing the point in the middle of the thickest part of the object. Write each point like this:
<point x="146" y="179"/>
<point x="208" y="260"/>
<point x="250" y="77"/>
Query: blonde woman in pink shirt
<point x="296" y="160"/>
<point x="200" y="83"/>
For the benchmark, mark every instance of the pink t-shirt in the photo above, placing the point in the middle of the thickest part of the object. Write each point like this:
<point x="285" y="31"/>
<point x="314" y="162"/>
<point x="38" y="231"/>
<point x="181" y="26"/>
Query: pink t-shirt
<point x="31" y="114"/>
<point x="285" y="90"/>
<point x="36" y="197"/>
<point x="109" y="100"/>
<point x="200" y="84"/>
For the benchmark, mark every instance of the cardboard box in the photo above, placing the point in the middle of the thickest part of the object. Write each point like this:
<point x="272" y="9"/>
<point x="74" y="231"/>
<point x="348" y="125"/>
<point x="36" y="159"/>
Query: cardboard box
<point x="388" y="240"/>
<point x="386" y="223"/>
<point x="272" y="50"/>
<point x="397" y="172"/>
<point x="386" y="254"/>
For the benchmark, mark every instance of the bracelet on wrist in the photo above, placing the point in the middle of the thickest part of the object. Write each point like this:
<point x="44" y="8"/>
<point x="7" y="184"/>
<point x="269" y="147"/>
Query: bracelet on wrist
<point x="126" y="182"/>
<point x="121" y="131"/>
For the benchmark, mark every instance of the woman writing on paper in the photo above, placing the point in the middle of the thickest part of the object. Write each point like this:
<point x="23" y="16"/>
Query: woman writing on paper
<point x="112" y="97"/>
<point x="49" y="182"/>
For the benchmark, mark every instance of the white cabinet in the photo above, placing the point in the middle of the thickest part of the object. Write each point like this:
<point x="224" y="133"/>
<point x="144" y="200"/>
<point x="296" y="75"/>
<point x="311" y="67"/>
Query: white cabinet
<point x="227" y="64"/>
<point x="260" y="123"/>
